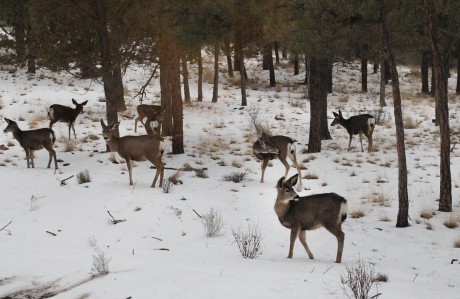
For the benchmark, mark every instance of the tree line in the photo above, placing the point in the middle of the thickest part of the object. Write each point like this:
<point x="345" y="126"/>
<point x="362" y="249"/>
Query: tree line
<point x="100" y="39"/>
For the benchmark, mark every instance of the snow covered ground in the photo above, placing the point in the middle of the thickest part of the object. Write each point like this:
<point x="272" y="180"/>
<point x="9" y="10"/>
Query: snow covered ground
<point x="161" y="251"/>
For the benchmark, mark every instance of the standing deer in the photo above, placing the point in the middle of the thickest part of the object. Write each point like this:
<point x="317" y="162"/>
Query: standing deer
<point x="301" y="213"/>
<point x="267" y="148"/>
<point x="66" y="114"/>
<point x="358" y="124"/>
<point x="32" y="140"/>
<point x="136" y="148"/>
<point x="149" y="111"/>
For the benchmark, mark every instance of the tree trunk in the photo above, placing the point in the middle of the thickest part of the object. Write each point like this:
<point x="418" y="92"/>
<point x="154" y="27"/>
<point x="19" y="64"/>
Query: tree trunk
<point x="433" y="80"/>
<point x="387" y="73"/>
<point x="403" y="210"/>
<point x="307" y="69"/>
<point x="424" y="71"/>
<point x="236" y="61"/>
<point x="166" y="104"/>
<point x="376" y="68"/>
<point x="228" y="53"/>
<point x="457" y="89"/>
<point x="200" y="77"/>
<point x="364" y="68"/>
<point x="383" y="103"/>
<point x="110" y="89"/>
<point x="215" y="89"/>
<point x="240" y="58"/>
<point x="318" y="101"/>
<point x="329" y="77"/>
<point x="296" y="64"/>
<point x="440" y="68"/>
<point x="20" y="34"/>
<point x="267" y="56"/>
<point x="277" y="55"/>
<point x="187" y="99"/>
<point x="271" y="67"/>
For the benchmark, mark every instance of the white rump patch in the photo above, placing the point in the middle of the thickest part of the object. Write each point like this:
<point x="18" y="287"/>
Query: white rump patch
<point x="343" y="211"/>
<point x="51" y="113"/>
<point x="162" y="145"/>
<point x="291" y="151"/>
<point x="371" y="121"/>
<point x="154" y="125"/>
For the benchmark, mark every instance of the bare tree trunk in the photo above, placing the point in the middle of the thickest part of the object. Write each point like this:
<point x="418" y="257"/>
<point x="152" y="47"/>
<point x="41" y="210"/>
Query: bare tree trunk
<point x="457" y="89"/>
<point x="318" y="99"/>
<point x="307" y="69"/>
<point x="200" y="77"/>
<point x="271" y="67"/>
<point x="433" y="80"/>
<point x="424" y="71"/>
<point x="166" y="104"/>
<point x="296" y="64"/>
<point x="187" y="99"/>
<point x="215" y="89"/>
<point x="442" y="108"/>
<point x="240" y="58"/>
<point x="364" y="69"/>
<point x="266" y="57"/>
<point x="277" y="55"/>
<point x="228" y="54"/>
<point x="403" y="210"/>
<point x="376" y="68"/>
<point x="382" y="84"/>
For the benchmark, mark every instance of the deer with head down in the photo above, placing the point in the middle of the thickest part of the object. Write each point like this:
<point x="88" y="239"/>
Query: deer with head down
<point x="32" y="140"/>
<point x="302" y="213"/>
<point x="65" y="114"/>
<point x="280" y="147"/>
<point x="136" y="148"/>
<point x="146" y="111"/>
<point x="358" y="124"/>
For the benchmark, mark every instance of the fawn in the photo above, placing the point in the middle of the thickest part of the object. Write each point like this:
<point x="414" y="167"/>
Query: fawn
<point x="66" y="114"/>
<point x="358" y="124"/>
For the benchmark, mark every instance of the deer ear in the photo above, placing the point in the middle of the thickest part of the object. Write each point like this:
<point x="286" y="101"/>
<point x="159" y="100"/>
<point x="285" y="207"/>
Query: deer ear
<point x="340" y="113"/>
<point x="9" y="121"/>
<point x="293" y="180"/>
<point x="84" y="103"/>
<point x="102" y="123"/>
<point x="335" y="114"/>
<point x="264" y="135"/>
<point x="73" y="101"/>
<point x="116" y="125"/>
<point x="280" y="183"/>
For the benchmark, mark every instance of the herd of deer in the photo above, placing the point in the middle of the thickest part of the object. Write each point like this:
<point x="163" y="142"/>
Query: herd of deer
<point x="298" y="213"/>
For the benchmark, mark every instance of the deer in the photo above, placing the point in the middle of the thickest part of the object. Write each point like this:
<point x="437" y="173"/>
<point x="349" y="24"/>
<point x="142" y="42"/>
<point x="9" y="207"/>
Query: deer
<point x="358" y="124"/>
<point x="280" y="147"/>
<point x="66" y="114"/>
<point x="32" y="140"/>
<point x="143" y="111"/>
<point x="302" y="213"/>
<point x="152" y="124"/>
<point x="136" y="148"/>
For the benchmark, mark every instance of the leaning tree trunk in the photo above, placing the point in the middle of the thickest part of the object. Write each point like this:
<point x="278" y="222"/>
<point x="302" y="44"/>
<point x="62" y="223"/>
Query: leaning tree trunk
<point x="424" y="71"/>
<point x="403" y="210"/>
<point x="318" y="100"/>
<point x="215" y="89"/>
<point x="442" y="108"/>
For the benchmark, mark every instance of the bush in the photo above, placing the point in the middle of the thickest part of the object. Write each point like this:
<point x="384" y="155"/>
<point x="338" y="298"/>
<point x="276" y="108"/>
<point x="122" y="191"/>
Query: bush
<point x="236" y="177"/>
<point x="359" y="280"/>
<point x="249" y="241"/>
<point x="100" y="263"/>
<point x="381" y="116"/>
<point x="212" y="223"/>
<point x="83" y="177"/>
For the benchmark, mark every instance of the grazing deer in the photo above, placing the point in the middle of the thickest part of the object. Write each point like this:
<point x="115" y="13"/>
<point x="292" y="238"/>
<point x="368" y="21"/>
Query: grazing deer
<point x="301" y="213"/>
<point x="66" y="114"/>
<point x="149" y="111"/>
<point x="136" y="148"/>
<point x="267" y="148"/>
<point x="32" y="140"/>
<point x="358" y="124"/>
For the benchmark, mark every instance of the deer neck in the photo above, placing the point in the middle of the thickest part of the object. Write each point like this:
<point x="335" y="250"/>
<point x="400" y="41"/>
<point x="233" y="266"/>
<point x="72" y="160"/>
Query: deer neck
<point x="282" y="206"/>
<point x="113" y="143"/>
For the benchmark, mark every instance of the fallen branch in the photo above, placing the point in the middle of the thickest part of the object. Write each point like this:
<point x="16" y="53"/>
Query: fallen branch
<point x="63" y="183"/>
<point x="115" y="221"/>
<point x="51" y="233"/>
<point x="197" y="213"/>
<point x="164" y="249"/>
<point x="183" y="168"/>
<point x="327" y="269"/>
<point x="6" y="225"/>
<point x="451" y="262"/>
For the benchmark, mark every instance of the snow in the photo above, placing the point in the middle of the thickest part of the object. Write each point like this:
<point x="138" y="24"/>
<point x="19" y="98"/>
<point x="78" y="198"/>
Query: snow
<point x="161" y="251"/>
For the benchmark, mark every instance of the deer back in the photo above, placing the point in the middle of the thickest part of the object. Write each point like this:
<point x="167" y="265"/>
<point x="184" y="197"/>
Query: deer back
<point x="272" y="147"/>
<point x="149" y="111"/>
<point x="355" y="124"/>
<point x="31" y="139"/>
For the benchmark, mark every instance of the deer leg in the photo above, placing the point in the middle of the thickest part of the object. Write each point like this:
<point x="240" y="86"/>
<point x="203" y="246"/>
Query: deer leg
<point x="293" y="158"/>
<point x="336" y="230"/>
<point x="349" y="143"/>
<point x="294" y="233"/>
<point x="52" y="154"/>
<point x="361" y="141"/>
<point x="264" y="165"/>
<point x="129" y="164"/>
<point x="303" y="240"/>
<point x="73" y="128"/>
<point x="286" y="165"/>
<point x="27" y="157"/>
<point x="369" y="139"/>
<point x="160" y="171"/>
<point x="135" y="123"/>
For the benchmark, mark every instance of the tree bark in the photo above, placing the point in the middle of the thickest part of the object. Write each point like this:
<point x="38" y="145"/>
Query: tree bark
<point x="376" y="68"/>
<point x="215" y="89"/>
<point x="240" y="58"/>
<point x="277" y="54"/>
<point x="307" y="69"/>
<point x="403" y="209"/>
<point x="383" y="103"/>
<point x="187" y="99"/>
<point x="433" y="79"/>
<point x="318" y="102"/>
<point x="266" y="57"/>
<point x="424" y="71"/>
<point x="271" y="67"/>
<point x="457" y="89"/>
<point x="441" y="73"/>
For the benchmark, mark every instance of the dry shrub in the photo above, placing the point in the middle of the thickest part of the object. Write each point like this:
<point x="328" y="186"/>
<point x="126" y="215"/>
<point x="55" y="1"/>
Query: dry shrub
<point x="358" y="212"/>
<point x="452" y="222"/>
<point x="457" y="243"/>
<point x="426" y="214"/>
<point x="208" y="76"/>
<point x="379" y="198"/>
<point x="410" y="122"/>
<point x="83" y="177"/>
<point x="248" y="240"/>
<point x="358" y="280"/>
<point x="212" y="223"/>
<point x="310" y="176"/>
<point x="236" y="176"/>
<point x="69" y="145"/>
